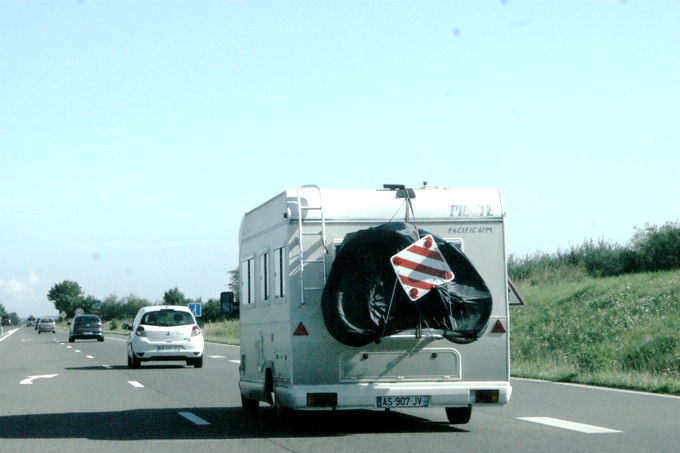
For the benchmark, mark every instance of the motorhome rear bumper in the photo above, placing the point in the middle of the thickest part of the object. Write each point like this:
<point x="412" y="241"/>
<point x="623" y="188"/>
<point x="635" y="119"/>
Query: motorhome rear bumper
<point x="362" y="396"/>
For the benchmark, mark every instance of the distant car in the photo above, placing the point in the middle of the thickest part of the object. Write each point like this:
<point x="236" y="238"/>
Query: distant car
<point x="46" y="325"/>
<point x="30" y="321"/>
<point x="6" y="320"/>
<point x="86" y="327"/>
<point x="164" y="332"/>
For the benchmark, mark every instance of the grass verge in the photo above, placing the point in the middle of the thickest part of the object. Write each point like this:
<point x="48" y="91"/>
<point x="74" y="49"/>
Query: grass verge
<point x="621" y="332"/>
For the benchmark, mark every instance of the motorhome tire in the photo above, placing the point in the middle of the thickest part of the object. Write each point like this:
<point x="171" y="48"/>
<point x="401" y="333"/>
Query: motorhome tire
<point x="458" y="415"/>
<point x="249" y="405"/>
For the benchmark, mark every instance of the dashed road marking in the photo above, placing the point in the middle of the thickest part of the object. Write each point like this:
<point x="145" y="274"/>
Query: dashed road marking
<point x="193" y="418"/>
<point x="108" y="367"/>
<point x="573" y="426"/>
<point x="135" y="384"/>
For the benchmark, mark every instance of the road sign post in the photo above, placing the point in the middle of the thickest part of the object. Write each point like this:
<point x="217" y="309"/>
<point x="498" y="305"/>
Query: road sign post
<point x="514" y="299"/>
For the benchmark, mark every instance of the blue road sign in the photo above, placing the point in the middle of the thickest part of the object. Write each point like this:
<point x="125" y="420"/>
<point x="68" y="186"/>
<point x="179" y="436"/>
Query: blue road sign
<point x="195" y="309"/>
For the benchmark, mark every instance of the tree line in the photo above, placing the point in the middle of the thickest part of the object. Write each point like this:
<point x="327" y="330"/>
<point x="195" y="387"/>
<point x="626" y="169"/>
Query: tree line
<point x="651" y="249"/>
<point x="68" y="296"/>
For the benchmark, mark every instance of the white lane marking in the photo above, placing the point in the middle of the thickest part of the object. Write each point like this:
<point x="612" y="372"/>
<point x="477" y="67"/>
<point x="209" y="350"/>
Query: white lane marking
<point x="135" y="384"/>
<point x="195" y="419"/>
<point x="108" y="367"/>
<point x="9" y="332"/>
<point x="235" y="361"/>
<point x="216" y="356"/>
<point x="594" y="387"/>
<point x="564" y="424"/>
<point x="29" y="379"/>
<point x="89" y="357"/>
<point x="76" y="350"/>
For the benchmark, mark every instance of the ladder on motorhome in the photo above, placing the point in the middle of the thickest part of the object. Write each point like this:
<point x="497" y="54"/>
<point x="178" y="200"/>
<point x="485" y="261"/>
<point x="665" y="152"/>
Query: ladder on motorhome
<point x="311" y="236"/>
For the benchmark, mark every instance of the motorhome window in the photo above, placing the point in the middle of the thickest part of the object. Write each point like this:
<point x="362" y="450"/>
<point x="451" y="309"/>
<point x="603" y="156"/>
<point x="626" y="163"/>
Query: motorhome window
<point x="279" y="273"/>
<point x="264" y="277"/>
<point x="247" y="281"/>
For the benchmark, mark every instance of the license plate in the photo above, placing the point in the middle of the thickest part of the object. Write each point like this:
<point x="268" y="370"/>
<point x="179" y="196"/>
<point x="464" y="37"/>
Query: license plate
<point x="402" y="401"/>
<point x="168" y="348"/>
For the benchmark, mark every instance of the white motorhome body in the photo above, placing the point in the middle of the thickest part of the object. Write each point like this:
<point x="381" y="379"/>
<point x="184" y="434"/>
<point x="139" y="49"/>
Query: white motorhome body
<point x="288" y="357"/>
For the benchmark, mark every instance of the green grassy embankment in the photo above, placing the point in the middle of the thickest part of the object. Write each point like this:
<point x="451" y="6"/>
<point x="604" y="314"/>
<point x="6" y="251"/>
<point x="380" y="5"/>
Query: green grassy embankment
<point x="621" y="332"/>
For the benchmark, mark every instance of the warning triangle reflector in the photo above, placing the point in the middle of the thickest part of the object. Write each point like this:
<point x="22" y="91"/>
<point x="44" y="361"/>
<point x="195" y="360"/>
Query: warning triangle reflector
<point x="498" y="327"/>
<point x="300" y="331"/>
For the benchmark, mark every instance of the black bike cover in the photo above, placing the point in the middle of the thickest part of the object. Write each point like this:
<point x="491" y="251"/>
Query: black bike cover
<point x="363" y="301"/>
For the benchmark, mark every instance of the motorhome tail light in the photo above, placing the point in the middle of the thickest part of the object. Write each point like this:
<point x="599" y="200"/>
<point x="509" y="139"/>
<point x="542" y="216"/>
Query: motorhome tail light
<point x="486" y="396"/>
<point x="322" y="399"/>
<point x="195" y="331"/>
<point x="140" y="332"/>
<point x="300" y="331"/>
<point x="498" y="327"/>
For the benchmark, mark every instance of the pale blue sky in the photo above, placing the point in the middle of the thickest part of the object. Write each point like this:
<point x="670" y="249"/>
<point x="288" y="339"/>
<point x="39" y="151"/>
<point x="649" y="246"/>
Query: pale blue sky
<point x="135" y="134"/>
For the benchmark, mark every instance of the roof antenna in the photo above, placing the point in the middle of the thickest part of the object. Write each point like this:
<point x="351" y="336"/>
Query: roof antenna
<point x="403" y="192"/>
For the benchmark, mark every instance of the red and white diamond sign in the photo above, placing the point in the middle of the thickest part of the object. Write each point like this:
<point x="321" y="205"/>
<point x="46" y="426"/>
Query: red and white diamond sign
<point x="420" y="267"/>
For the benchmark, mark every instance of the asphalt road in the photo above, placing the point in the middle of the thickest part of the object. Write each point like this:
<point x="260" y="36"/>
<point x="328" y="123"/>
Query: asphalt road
<point x="60" y="396"/>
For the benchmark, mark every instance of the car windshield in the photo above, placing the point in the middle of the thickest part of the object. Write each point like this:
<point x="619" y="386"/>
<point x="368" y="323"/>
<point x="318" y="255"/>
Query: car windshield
<point x="167" y="318"/>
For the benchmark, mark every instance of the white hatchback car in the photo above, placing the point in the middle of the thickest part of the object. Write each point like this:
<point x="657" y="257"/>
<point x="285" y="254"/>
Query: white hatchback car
<point x="164" y="332"/>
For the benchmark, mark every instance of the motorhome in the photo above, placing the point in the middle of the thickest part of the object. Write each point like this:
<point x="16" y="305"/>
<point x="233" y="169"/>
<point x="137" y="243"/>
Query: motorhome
<point x="382" y="299"/>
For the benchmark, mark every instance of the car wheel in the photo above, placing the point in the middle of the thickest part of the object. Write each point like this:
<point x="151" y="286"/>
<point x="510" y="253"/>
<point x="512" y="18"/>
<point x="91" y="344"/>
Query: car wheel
<point x="71" y="339"/>
<point x="198" y="363"/>
<point x="100" y="339"/>
<point x="129" y="361"/>
<point x="136" y="363"/>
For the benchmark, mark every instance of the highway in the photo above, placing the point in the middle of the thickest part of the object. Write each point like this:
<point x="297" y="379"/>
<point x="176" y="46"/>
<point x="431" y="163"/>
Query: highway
<point x="60" y="396"/>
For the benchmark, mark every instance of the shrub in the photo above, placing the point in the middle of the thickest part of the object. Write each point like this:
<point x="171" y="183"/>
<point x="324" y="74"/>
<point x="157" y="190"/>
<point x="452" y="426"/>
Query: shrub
<point x="657" y="248"/>
<point x="651" y="249"/>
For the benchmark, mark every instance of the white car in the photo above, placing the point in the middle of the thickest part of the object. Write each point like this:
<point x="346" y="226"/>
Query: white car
<point x="164" y="332"/>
